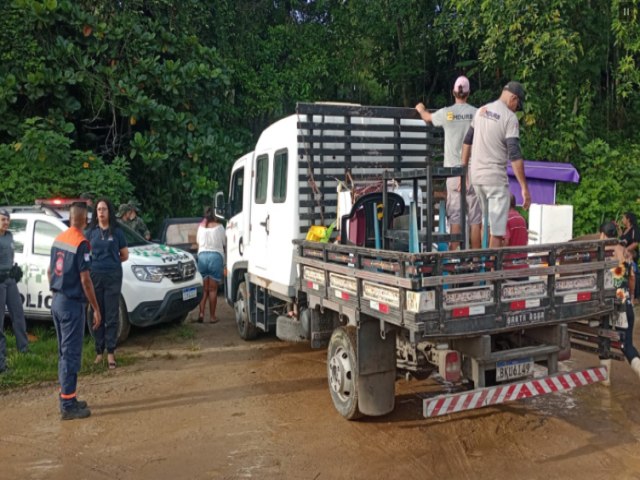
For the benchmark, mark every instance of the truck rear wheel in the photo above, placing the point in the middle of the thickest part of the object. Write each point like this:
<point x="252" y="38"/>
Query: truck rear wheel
<point x="342" y="372"/>
<point x="246" y="329"/>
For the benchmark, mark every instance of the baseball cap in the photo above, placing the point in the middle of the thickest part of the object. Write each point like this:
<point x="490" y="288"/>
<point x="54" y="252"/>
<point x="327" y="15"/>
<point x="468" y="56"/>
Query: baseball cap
<point x="4" y="213"/>
<point x="462" y="83"/>
<point x="517" y="89"/>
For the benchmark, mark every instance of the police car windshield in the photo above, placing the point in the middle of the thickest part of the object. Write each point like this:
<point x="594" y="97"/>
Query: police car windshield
<point x="134" y="239"/>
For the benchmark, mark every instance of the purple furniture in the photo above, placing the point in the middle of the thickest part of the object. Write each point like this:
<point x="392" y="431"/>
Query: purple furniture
<point x="542" y="178"/>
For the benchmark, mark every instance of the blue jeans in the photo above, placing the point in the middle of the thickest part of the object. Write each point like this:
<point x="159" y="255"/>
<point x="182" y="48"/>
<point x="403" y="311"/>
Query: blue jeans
<point x="107" y="287"/>
<point x="68" y="319"/>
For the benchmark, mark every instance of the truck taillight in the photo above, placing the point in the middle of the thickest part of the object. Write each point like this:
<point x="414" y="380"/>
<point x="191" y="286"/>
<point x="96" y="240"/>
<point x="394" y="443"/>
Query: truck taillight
<point x="452" y="369"/>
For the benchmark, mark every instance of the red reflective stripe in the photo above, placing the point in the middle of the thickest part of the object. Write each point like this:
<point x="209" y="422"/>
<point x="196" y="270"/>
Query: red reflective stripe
<point x="518" y="305"/>
<point x="67" y="396"/>
<point x="438" y="406"/>
<point x="460" y="312"/>
<point x="584" y="296"/>
<point x="525" y="391"/>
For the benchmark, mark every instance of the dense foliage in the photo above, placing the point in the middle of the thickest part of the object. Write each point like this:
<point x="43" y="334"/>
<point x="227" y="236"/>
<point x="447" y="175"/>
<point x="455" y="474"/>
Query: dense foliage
<point x="156" y="98"/>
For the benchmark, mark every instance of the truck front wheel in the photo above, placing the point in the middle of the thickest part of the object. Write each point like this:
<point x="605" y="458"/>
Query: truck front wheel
<point x="342" y="372"/>
<point x="246" y="329"/>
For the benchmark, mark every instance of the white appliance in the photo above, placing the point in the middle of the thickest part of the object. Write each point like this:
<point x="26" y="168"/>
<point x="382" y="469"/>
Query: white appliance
<point x="550" y="223"/>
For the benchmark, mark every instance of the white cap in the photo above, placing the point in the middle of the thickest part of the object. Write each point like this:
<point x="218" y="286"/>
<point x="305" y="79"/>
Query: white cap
<point x="462" y="84"/>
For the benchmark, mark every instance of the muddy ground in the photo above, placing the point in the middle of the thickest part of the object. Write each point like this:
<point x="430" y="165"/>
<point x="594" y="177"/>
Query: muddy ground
<point x="218" y="407"/>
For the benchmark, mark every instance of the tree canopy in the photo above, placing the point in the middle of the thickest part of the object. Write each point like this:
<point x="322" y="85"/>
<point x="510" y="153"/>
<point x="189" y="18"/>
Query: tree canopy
<point x="154" y="99"/>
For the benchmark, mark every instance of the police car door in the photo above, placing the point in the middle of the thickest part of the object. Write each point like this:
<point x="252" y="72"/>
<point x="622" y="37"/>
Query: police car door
<point x="38" y="301"/>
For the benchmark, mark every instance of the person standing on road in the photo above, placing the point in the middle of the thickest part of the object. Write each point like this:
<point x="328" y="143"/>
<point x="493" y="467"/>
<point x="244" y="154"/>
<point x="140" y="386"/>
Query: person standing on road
<point x="495" y="136"/>
<point x="9" y="294"/>
<point x="71" y="285"/>
<point x="211" y="244"/>
<point x="624" y="281"/>
<point x="108" y="251"/>
<point x="630" y="238"/>
<point x="455" y="120"/>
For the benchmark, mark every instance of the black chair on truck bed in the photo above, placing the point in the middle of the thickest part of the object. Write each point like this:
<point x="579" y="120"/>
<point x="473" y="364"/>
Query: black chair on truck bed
<point x="360" y="221"/>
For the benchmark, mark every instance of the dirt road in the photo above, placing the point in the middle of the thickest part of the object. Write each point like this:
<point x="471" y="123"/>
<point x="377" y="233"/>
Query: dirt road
<point x="218" y="407"/>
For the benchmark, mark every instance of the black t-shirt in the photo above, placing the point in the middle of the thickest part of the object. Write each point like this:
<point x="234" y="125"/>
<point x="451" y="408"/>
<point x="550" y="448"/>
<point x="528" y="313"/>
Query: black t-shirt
<point x="631" y="236"/>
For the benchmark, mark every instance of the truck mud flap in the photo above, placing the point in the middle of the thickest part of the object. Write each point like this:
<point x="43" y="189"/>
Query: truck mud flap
<point x="376" y="369"/>
<point x="322" y="326"/>
<point x="484" y="397"/>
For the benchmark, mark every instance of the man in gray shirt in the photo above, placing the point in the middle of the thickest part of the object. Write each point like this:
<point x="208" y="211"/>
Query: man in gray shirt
<point x="9" y="294"/>
<point x="495" y="136"/>
<point x="455" y="120"/>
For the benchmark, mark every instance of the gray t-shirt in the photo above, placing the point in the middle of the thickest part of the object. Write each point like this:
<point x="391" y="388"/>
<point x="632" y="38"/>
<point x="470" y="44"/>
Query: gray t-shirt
<point x="455" y="121"/>
<point x="492" y="125"/>
<point x="6" y="251"/>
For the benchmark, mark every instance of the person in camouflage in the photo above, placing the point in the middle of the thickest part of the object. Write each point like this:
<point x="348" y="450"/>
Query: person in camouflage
<point x="129" y="216"/>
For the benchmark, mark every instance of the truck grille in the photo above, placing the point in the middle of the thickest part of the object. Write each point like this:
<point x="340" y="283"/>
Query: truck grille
<point x="180" y="272"/>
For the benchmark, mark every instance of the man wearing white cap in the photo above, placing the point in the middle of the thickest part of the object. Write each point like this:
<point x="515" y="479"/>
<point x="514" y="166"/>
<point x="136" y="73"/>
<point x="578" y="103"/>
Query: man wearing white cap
<point x="495" y="136"/>
<point x="455" y="120"/>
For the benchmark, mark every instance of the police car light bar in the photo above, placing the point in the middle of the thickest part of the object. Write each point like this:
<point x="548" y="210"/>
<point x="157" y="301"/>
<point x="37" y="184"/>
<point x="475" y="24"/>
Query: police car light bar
<point x="59" y="202"/>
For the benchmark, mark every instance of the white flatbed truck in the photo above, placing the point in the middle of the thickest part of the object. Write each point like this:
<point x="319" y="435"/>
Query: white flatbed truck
<point x="385" y="300"/>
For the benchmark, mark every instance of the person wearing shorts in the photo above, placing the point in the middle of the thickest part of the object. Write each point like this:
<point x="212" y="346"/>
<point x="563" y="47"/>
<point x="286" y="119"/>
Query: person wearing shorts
<point x="211" y="243"/>
<point x="495" y="137"/>
<point x="455" y="120"/>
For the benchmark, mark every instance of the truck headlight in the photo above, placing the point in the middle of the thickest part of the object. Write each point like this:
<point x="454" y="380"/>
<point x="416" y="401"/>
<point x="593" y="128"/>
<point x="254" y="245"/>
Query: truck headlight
<point x="148" y="273"/>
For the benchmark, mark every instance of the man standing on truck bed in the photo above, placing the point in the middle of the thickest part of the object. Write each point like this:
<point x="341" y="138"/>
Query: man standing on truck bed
<point x="495" y="136"/>
<point x="455" y="120"/>
<point x="70" y="281"/>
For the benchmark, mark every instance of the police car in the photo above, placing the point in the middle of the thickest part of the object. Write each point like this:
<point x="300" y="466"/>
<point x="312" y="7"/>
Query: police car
<point x="160" y="283"/>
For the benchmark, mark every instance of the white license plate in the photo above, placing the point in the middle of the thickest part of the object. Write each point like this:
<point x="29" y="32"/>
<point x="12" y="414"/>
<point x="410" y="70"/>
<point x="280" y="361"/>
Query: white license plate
<point x="189" y="293"/>
<point x="514" y="319"/>
<point x="510" y="369"/>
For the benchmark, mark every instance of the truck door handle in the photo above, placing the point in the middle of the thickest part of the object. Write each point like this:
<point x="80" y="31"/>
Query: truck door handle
<point x="265" y="224"/>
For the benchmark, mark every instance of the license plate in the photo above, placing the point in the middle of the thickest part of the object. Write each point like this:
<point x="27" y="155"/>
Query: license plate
<point x="189" y="293"/>
<point x="510" y="369"/>
<point x="515" y="319"/>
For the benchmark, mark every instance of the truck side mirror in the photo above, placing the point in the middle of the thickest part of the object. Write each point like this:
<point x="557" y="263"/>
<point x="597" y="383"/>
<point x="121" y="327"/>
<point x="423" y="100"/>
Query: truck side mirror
<point x="219" y="205"/>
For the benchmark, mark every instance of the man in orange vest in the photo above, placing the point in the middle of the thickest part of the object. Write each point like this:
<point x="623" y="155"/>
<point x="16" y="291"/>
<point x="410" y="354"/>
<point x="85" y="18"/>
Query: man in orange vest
<point x="71" y="285"/>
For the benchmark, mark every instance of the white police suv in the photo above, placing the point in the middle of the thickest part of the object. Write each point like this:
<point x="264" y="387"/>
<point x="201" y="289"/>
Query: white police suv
<point x="160" y="283"/>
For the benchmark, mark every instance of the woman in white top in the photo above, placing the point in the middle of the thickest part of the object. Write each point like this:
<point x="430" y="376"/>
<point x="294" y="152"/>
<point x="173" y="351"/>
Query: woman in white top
<point x="211" y="245"/>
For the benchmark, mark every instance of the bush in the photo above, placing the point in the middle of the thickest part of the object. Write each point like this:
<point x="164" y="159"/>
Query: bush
<point x="608" y="186"/>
